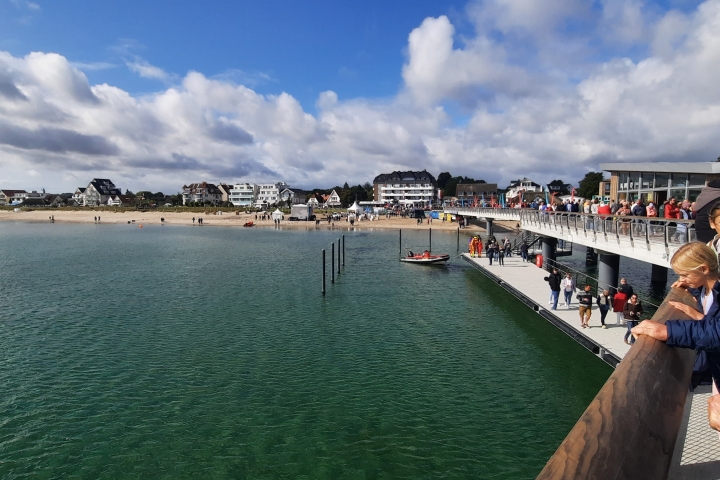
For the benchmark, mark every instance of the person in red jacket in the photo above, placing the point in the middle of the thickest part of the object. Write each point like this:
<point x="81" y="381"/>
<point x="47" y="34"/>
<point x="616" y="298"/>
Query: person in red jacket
<point x="604" y="209"/>
<point x="671" y="209"/>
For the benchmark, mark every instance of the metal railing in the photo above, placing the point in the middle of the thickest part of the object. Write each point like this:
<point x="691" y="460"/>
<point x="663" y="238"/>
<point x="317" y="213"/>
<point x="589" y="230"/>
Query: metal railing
<point x="651" y="230"/>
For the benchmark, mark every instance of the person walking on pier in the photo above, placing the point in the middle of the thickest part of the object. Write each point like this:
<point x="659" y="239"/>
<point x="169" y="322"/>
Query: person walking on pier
<point x="632" y="312"/>
<point x="568" y="288"/>
<point x="491" y="252"/>
<point x="554" y="281"/>
<point x="585" y="299"/>
<point x="524" y="251"/>
<point x="604" y="302"/>
<point x="501" y="256"/>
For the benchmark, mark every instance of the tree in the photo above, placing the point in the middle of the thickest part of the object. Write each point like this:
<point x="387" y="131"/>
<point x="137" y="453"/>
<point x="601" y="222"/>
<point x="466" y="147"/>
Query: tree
<point x="443" y="179"/>
<point x="590" y="184"/>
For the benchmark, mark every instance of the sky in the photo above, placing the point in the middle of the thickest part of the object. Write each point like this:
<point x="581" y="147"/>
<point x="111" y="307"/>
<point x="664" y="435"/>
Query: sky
<point x="158" y="94"/>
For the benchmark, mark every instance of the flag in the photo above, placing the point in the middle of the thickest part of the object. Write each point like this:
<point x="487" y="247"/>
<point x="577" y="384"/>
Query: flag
<point x="547" y="200"/>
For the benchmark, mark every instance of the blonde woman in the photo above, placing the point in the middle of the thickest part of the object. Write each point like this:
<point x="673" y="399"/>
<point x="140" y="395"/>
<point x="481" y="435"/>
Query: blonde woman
<point x="697" y="267"/>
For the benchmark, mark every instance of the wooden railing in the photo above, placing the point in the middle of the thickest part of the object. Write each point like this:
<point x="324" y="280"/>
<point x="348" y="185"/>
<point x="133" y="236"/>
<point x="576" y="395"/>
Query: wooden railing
<point x="630" y="428"/>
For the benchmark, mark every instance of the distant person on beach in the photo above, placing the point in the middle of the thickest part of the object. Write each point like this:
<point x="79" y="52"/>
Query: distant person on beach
<point x="585" y="300"/>
<point x="95" y="219"/>
<point x="568" y="288"/>
<point x="604" y="302"/>
<point x="554" y="281"/>
<point x="194" y="220"/>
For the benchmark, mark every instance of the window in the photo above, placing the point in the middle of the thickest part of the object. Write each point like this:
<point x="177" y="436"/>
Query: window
<point x="634" y="181"/>
<point x="661" y="180"/>
<point x="678" y="180"/>
<point x="623" y="184"/>
<point x="678" y="193"/>
<point x="646" y="181"/>
<point x="696" y="180"/>
<point x="693" y="194"/>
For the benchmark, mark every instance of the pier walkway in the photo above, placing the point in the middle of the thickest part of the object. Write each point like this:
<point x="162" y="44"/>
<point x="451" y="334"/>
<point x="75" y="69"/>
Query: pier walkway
<point x="697" y="451"/>
<point x="653" y="240"/>
<point x="607" y="343"/>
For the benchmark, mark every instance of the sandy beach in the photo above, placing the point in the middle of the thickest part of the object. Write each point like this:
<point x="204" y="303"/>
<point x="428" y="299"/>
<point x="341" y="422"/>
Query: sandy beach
<point x="226" y="219"/>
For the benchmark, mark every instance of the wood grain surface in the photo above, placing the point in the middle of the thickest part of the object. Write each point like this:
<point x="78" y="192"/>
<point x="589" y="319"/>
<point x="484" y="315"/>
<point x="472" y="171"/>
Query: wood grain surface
<point x="629" y="429"/>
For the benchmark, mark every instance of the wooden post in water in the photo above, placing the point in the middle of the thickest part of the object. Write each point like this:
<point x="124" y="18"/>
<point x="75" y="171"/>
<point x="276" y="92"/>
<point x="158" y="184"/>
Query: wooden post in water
<point x="323" y="272"/>
<point x="332" y="264"/>
<point x="458" y="240"/>
<point x="343" y="238"/>
<point x="430" y="236"/>
<point x="630" y="428"/>
<point x="338" y="257"/>
<point x="401" y="242"/>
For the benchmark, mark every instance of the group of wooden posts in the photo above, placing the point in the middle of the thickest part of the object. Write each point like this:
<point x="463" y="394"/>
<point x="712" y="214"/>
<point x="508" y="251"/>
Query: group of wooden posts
<point x="340" y="259"/>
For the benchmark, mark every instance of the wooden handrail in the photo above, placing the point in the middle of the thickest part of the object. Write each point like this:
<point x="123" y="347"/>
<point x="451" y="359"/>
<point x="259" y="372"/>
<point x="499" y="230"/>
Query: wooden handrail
<point x="629" y="429"/>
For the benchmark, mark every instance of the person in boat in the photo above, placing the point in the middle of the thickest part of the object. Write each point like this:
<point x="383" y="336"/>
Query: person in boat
<point x="426" y="254"/>
<point x="410" y="254"/>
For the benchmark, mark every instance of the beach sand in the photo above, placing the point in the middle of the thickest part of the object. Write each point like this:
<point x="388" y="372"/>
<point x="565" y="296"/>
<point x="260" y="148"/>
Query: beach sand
<point x="226" y="219"/>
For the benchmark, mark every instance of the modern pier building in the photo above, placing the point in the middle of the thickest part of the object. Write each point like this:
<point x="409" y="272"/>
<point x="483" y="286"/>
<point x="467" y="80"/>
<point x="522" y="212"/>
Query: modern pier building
<point x="657" y="182"/>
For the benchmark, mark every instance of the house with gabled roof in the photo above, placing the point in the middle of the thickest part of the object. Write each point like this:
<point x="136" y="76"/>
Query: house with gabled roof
<point x="99" y="191"/>
<point x="8" y="197"/>
<point x="201" y="192"/>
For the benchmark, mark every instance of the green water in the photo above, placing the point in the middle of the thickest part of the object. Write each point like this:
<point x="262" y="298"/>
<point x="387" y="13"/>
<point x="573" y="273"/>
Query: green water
<point x="181" y="352"/>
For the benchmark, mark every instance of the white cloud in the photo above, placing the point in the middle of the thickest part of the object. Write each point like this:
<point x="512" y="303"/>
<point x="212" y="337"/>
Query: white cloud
<point x="145" y="70"/>
<point x="550" y="118"/>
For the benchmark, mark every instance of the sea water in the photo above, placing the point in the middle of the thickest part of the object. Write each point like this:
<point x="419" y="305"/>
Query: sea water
<point x="209" y="352"/>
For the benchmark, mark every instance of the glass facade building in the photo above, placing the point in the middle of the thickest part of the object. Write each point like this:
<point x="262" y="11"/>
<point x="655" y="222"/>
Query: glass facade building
<point x="657" y="182"/>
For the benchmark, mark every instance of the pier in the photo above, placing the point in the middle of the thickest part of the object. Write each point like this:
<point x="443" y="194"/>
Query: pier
<point x="607" y="343"/>
<point x="696" y="451"/>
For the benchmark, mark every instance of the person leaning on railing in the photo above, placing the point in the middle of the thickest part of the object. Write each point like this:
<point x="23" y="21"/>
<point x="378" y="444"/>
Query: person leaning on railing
<point x="697" y="267"/>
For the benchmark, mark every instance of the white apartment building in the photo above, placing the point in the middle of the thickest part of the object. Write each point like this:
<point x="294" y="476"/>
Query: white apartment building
<point x="243" y="194"/>
<point x="405" y="188"/>
<point x="269" y="193"/>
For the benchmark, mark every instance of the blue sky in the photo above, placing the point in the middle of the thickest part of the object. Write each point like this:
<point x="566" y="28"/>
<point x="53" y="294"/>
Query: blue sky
<point x="304" y="48"/>
<point x="158" y="94"/>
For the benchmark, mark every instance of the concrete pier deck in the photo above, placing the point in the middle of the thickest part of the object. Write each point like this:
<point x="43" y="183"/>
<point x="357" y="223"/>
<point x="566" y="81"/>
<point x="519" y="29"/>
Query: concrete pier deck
<point x="697" y="452"/>
<point x="525" y="281"/>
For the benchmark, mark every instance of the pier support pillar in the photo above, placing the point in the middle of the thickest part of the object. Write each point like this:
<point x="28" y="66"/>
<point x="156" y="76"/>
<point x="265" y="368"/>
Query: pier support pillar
<point x="608" y="271"/>
<point x="659" y="274"/>
<point x="591" y="257"/>
<point x="548" y="250"/>
<point x="489" y="226"/>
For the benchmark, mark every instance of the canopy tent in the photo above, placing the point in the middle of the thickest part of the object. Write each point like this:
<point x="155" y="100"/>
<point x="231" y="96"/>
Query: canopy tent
<point x="277" y="214"/>
<point x="355" y="208"/>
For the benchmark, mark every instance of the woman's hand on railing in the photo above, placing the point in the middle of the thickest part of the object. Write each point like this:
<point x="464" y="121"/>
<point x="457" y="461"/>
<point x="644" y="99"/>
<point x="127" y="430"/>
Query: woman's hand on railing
<point x="691" y="312"/>
<point x="652" y="329"/>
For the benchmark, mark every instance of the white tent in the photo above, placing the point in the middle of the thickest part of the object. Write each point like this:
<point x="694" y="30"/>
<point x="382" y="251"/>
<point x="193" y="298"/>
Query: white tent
<point x="356" y="209"/>
<point x="277" y="214"/>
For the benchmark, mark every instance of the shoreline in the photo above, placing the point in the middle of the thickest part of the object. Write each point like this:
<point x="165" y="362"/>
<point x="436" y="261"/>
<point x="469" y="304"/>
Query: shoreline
<point x="227" y="220"/>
